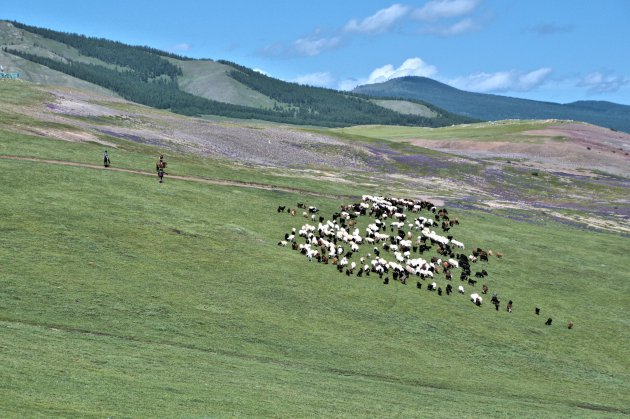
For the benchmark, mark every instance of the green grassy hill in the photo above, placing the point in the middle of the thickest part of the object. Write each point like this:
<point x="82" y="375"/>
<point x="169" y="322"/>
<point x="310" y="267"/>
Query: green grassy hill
<point x="194" y="87"/>
<point x="210" y="79"/>
<point x="120" y="296"/>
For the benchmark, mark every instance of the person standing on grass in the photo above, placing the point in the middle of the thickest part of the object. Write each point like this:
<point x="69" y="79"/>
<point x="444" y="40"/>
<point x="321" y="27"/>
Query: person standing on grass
<point x="160" y="165"/>
<point x="106" y="161"/>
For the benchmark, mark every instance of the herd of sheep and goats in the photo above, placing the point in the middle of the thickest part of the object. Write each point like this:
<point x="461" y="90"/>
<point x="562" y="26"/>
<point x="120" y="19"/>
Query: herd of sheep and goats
<point x="396" y="245"/>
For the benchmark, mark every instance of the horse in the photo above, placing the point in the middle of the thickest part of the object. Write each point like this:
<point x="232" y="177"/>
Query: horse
<point x="160" y="166"/>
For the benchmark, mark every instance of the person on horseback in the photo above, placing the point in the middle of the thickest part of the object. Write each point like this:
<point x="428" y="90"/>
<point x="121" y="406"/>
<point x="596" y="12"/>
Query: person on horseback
<point x="160" y="165"/>
<point x="106" y="161"/>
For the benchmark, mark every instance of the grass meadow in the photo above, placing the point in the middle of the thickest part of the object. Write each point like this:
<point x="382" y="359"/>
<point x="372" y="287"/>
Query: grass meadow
<point x="123" y="297"/>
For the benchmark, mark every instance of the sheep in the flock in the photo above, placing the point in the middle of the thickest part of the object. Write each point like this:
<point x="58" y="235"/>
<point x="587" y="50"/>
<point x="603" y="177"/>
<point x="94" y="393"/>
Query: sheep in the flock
<point x="460" y="289"/>
<point x="353" y="265"/>
<point x="476" y="298"/>
<point x="548" y="322"/>
<point x="282" y="243"/>
<point x="453" y="263"/>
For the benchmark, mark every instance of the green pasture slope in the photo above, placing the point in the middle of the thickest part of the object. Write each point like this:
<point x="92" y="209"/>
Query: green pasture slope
<point x="123" y="297"/>
<point x="482" y="131"/>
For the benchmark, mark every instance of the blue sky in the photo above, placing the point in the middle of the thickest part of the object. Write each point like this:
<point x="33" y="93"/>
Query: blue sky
<point x="551" y="50"/>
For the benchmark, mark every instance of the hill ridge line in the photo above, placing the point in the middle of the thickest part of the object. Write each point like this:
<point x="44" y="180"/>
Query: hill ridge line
<point x="211" y="181"/>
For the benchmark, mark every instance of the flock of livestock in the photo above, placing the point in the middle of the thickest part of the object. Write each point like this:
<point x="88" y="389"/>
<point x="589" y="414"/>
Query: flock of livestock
<point x="399" y="237"/>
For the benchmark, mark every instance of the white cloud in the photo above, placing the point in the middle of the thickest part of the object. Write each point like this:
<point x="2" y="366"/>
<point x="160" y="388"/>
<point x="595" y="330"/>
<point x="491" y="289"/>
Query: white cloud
<point x="503" y="81"/>
<point x="313" y="45"/>
<point x="322" y="79"/>
<point x="181" y="47"/>
<point x="597" y="83"/>
<point x="463" y="26"/>
<point x="381" y="21"/>
<point x="411" y="67"/>
<point x="263" y="72"/>
<point x="443" y="9"/>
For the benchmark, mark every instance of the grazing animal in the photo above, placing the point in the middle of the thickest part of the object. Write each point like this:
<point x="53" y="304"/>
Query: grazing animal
<point x="478" y="275"/>
<point x="475" y="298"/>
<point x="509" y="306"/>
<point x="570" y="325"/>
<point x="281" y="208"/>
<point x="419" y="285"/>
<point x="537" y="310"/>
<point x="386" y="280"/>
<point x="472" y="281"/>
<point x="449" y="289"/>
<point x="484" y="289"/>
<point x="548" y="322"/>
<point x="461" y="289"/>
<point x="439" y="290"/>
<point x="499" y="255"/>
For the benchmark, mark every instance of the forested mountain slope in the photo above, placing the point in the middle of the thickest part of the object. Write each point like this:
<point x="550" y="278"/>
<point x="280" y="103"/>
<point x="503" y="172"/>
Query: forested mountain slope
<point x="198" y="87"/>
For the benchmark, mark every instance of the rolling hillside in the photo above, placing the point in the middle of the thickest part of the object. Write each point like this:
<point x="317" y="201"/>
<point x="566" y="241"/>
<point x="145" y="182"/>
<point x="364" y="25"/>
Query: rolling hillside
<point x="494" y="107"/>
<point x="124" y="297"/>
<point x="195" y="87"/>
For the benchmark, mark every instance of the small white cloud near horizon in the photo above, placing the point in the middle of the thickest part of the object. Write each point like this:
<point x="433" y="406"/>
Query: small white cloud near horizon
<point x="410" y="67"/>
<point x="444" y="9"/>
<point x="181" y="47"/>
<point x="599" y="83"/>
<point x="263" y="72"/>
<point x="321" y="79"/>
<point x="379" y="22"/>
<point x="502" y="81"/>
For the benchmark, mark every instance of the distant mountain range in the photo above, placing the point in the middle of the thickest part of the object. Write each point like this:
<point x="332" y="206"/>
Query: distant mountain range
<point x="494" y="107"/>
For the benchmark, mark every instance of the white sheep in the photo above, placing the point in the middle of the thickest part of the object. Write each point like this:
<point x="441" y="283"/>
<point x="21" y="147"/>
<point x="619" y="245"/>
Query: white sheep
<point x="461" y="289"/>
<point x="476" y="298"/>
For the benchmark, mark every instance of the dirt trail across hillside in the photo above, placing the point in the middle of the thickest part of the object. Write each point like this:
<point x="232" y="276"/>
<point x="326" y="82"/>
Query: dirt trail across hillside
<point x="222" y="182"/>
